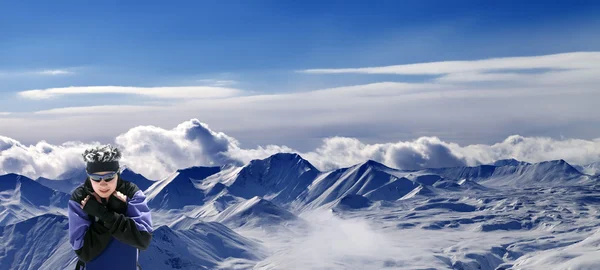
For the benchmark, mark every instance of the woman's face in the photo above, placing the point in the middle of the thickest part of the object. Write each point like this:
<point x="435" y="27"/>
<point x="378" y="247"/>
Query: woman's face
<point x="105" y="189"/>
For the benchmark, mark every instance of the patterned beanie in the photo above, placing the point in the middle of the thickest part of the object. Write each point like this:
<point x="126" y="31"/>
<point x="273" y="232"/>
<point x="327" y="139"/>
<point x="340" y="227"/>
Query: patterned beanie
<point x="101" y="158"/>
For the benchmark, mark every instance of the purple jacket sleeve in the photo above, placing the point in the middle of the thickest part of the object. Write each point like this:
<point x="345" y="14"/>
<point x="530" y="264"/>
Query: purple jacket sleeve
<point x="88" y="239"/>
<point x="134" y="228"/>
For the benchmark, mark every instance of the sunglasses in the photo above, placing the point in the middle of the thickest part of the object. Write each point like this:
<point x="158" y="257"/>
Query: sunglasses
<point x="99" y="177"/>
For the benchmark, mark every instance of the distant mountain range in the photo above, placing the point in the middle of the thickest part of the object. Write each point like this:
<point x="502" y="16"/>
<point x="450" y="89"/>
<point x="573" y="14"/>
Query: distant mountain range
<point x="264" y="192"/>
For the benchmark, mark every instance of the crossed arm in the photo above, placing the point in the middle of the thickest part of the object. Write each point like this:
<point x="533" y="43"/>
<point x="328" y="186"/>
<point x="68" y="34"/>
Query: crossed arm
<point x="88" y="238"/>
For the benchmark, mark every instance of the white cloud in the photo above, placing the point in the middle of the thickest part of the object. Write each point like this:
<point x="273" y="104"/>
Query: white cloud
<point x="432" y="152"/>
<point x="156" y="152"/>
<point x="481" y="77"/>
<point x="573" y="60"/>
<point x="150" y="150"/>
<point x="41" y="159"/>
<point x="5" y="113"/>
<point x="217" y="83"/>
<point x="374" y="112"/>
<point x="113" y="109"/>
<point x="55" y="72"/>
<point x="46" y="72"/>
<point x="157" y="92"/>
<point x="465" y="108"/>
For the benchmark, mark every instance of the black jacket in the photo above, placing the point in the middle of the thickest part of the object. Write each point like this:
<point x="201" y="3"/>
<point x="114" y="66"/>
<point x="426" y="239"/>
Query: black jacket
<point x="90" y="238"/>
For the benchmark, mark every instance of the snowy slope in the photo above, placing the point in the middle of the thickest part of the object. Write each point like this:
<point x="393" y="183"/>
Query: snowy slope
<point x="509" y="162"/>
<point x="206" y="245"/>
<point x="353" y="201"/>
<point x="41" y="242"/>
<point x="65" y="186"/>
<point x="179" y="189"/>
<point x="591" y="169"/>
<point x="29" y="243"/>
<point x="370" y="179"/>
<point x="282" y="213"/>
<point x="65" y="182"/>
<point x="580" y="255"/>
<point x="421" y="190"/>
<point x="142" y="182"/>
<point x="285" y="179"/>
<point x="22" y="198"/>
<point x="289" y="181"/>
<point x="279" y="178"/>
<point x="70" y="180"/>
<point x="254" y="212"/>
<point x="547" y="172"/>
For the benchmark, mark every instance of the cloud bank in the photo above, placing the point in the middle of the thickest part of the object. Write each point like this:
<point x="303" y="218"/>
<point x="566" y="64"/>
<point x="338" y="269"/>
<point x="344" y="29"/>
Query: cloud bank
<point x="46" y="72"/>
<point x="156" y="92"/>
<point x="55" y="72"/>
<point x="469" y="102"/>
<point x="480" y="101"/>
<point x="573" y="60"/>
<point x="156" y="152"/>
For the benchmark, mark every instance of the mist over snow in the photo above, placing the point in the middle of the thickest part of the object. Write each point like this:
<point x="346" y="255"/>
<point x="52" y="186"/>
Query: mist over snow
<point x="156" y="152"/>
<point x="331" y="242"/>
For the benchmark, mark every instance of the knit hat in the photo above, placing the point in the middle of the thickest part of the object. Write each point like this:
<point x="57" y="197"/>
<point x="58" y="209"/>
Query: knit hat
<point x="102" y="158"/>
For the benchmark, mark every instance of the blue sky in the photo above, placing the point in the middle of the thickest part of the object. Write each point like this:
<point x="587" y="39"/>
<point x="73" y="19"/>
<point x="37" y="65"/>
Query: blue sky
<point x="259" y="47"/>
<point x="260" y="42"/>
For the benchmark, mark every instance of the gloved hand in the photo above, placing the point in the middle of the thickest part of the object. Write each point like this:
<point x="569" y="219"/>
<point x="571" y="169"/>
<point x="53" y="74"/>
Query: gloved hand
<point x="94" y="208"/>
<point x="117" y="202"/>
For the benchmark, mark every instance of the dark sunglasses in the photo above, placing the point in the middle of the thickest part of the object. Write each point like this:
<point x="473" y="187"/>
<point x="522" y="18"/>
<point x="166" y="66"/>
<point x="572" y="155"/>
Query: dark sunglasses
<point x="99" y="177"/>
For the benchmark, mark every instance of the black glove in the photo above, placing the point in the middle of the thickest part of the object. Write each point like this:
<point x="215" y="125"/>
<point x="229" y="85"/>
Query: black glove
<point x="116" y="205"/>
<point x="94" y="208"/>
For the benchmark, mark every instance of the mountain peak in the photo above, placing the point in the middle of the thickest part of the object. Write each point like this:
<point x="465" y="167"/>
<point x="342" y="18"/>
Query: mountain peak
<point x="285" y="158"/>
<point x="509" y="162"/>
<point x="565" y="166"/>
<point x="27" y="196"/>
<point x="283" y="175"/>
<point x="179" y="189"/>
<point x="142" y="182"/>
<point x="11" y="180"/>
<point x="374" y="164"/>
<point x="277" y="163"/>
<point x="198" y="172"/>
<point x="557" y="162"/>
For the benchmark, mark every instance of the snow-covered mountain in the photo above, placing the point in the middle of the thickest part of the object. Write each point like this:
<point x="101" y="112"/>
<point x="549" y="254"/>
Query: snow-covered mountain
<point x="354" y="201"/>
<point x="546" y="173"/>
<point x="65" y="182"/>
<point x="22" y="198"/>
<point x="30" y="243"/>
<point x="41" y="242"/>
<point x="179" y="189"/>
<point x="259" y="215"/>
<point x="292" y="183"/>
<point x="280" y="178"/>
<point x="205" y="245"/>
<point x="70" y="180"/>
<point x="285" y="179"/>
<point x="591" y="169"/>
<point x="65" y="186"/>
<point x="142" y="182"/>
<point x="254" y="212"/>
<point x="371" y="179"/>
<point x="509" y="162"/>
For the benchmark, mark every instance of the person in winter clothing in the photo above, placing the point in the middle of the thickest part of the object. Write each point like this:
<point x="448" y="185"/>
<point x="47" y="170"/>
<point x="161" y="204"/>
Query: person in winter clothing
<point x="109" y="219"/>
